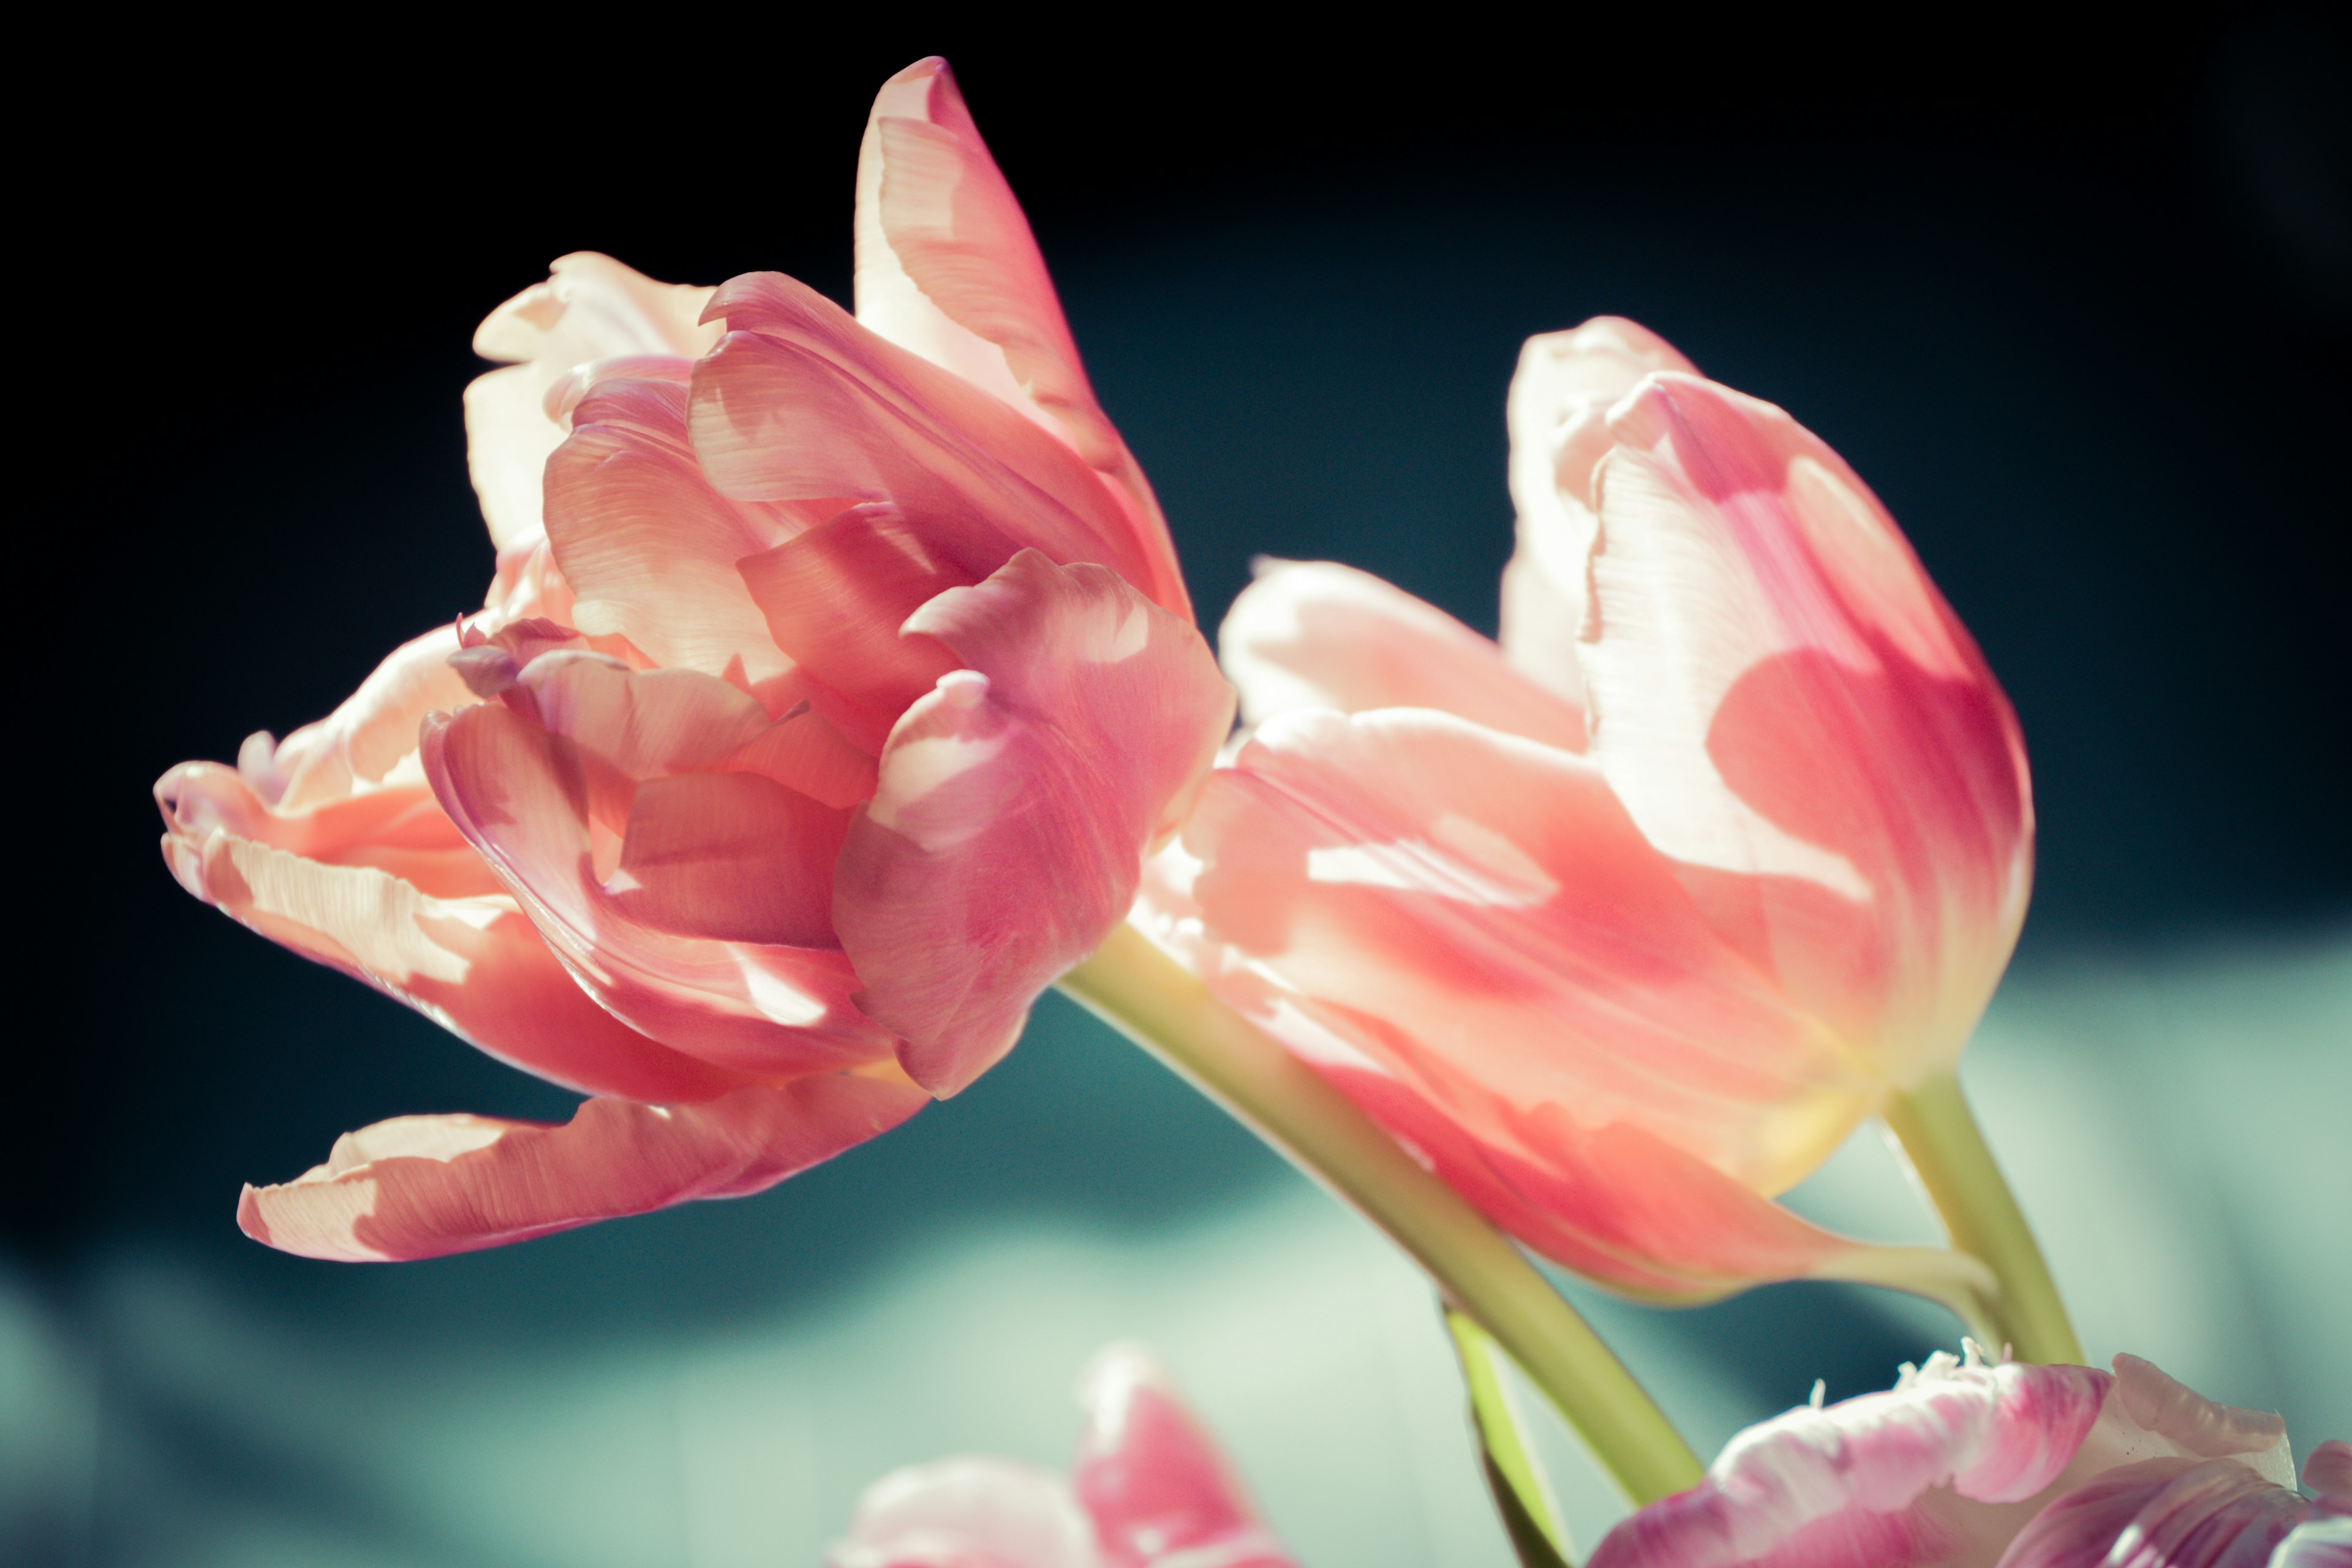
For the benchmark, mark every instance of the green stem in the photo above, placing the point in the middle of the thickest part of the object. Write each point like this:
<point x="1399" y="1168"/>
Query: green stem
<point x="1515" y="1477"/>
<point x="1947" y="1151"/>
<point x="1149" y="997"/>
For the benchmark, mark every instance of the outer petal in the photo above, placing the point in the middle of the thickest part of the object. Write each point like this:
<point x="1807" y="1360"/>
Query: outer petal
<point x="973" y="1512"/>
<point x="591" y="308"/>
<point x="1491" y="901"/>
<point x="473" y="965"/>
<point x="800" y="403"/>
<point x="1837" y="1488"/>
<point x="398" y="829"/>
<point x="420" y="1186"/>
<point x="551" y="815"/>
<point x="1016" y="802"/>
<point x="1317" y="634"/>
<point x="1779" y="694"/>
<point x="1465" y="933"/>
<point x="1564" y="386"/>
<point x="947" y="268"/>
<point x="1159" y="1490"/>
<point x="2164" y="1513"/>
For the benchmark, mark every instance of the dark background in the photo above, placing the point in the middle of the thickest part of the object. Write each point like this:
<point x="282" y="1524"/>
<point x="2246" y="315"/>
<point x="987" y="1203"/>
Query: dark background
<point x="2077" y="305"/>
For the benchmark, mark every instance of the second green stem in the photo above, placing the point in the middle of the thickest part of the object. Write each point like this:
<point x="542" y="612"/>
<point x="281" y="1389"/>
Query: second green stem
<point x="1947" y="1151"/>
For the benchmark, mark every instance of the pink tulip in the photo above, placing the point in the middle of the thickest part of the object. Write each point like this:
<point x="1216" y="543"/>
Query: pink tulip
<point x="2026" y="1466"/>
<point x="1148" y="1489"/>
<point x="832" y="690"/>
<point x="1624" y="924"/>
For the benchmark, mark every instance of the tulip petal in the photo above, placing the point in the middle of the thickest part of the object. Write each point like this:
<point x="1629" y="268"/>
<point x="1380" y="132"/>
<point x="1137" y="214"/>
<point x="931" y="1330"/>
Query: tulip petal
<point x="2165" y="1513"/>
<point x="1838" y="1487"/>
<point x="365" y="742"/>
<point x="2196" y="1425"/>
<point x="1318" y="635"/>
<point x="1779" y="694"/>
<point x="474" y="965"/>
<point x="423" y="1186"/>
<point x="2324" y="1539"/>
<point x="590" y="308"/>
<point x="834" y="599"/>
<point x="541" y="808"/>
<point x="400" y="830"/>
<point x="2328" y="1472"/>
<point x="1491" y="899"/>
<point x="648" y="547"/>
<point x="1563" y="389"/>
<point x="732" y="856"/>
<point x="800" y="403"/>
<point x="1015" y="802"/>
<point x="971" y="1512"/>
<point x="1154" y="1481"/>
<point x="947" y="266"/>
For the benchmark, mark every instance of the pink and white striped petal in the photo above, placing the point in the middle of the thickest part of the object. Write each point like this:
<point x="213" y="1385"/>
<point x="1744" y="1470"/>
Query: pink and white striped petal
<point x="1841" y="1486"/>
<point x="472" y="964"/>
<point x="1016" y="802"/>
<point x="423" y="1186"/>
<point x="947" y="266"/>
<point x="1779" y="694"/>
<point x="2164" y="1513"/>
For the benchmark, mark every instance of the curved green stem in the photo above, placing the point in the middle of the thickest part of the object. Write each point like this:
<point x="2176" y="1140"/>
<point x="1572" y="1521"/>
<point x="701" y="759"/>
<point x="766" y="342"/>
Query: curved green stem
<point x="1155" y="1002"/>
<point x="1947" y="1151"/>
<point x="1514" y="1474"/>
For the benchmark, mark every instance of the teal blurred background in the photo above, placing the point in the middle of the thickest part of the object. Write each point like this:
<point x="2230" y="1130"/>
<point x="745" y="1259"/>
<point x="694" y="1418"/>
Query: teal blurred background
<point x="2078" y="313"/>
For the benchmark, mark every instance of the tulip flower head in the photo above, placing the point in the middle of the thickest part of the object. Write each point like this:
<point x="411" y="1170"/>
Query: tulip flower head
<point x="836" y="677"/>
<point x="2022" y="1467"/>
<point x="1624" y="923"/>
<point x="1148" y="1490"/>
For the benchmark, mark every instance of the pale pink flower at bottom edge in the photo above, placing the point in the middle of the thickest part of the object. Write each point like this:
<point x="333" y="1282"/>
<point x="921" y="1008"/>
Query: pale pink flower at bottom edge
<point x="1966" y="1465"/>
<point x="1148" y="1487"/>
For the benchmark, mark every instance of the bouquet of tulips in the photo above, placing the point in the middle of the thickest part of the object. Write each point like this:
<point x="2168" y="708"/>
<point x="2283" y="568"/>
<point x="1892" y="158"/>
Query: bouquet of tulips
<point x="838" y="691"/>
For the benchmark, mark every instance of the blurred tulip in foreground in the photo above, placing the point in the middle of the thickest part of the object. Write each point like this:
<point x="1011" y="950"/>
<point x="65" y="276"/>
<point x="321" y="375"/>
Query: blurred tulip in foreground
<point x="836" y="678"/>
<point x="1625" y="923"/>
<point x="1148" y="1490"/>
<point x="2026" y="1466"/>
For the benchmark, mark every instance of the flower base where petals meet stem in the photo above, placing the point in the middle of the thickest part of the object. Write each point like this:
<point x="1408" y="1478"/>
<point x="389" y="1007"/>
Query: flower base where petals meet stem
<point x="1947" y="1152"/>
<point x="1149" y="997"/>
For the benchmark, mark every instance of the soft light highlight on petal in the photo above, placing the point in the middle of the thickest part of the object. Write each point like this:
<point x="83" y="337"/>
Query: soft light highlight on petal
<point x="590" y="308"/>
<point x="1309" y="634"/>
<point x="1559" y="395"/>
